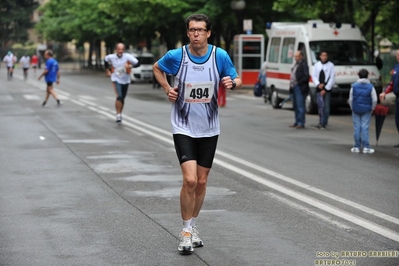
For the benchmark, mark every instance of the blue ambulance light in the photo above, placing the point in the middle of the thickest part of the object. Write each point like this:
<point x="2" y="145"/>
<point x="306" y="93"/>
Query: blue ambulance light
<point x="268" y="25"/>
<point x="314" y="25"/>
<point x="338" y="25"/>
<point x="353" y="25"/>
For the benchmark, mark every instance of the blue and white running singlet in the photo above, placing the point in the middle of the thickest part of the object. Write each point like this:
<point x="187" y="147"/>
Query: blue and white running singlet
<point x="195" y="113"/>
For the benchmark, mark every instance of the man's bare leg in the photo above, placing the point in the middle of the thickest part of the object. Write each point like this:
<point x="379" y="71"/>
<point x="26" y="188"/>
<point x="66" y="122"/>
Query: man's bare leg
<point x="118" y="106"/>
<point x="193" y="191"/>
<point x="187" y="193"/>
<point x="200" y="190"/>
<point x="49" y="92"/>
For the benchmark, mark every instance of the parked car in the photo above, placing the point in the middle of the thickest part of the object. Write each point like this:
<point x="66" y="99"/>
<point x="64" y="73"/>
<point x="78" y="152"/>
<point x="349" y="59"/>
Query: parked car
<point x="143" y="73"/>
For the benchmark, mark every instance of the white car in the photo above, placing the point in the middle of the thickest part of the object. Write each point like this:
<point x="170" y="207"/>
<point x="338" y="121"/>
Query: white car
<point x="143" y="73"/>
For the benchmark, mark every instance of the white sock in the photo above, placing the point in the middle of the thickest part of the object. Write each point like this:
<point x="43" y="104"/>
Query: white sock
<point x="193" y="220"/>
<point x="187" y="225"/>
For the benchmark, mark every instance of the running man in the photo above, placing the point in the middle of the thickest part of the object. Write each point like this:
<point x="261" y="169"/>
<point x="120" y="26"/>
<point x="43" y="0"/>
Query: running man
<point x="10" y="59"/>
<point x="52" y="74"/>
<point x="197" y="69"/>
<point x="25" y="61"/>
<point x="118" y="67"/>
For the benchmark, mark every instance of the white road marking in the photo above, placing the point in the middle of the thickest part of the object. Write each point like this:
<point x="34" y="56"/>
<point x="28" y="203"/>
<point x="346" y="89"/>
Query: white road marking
<point x="247" y="97"/>
<point x="88" y="102"/>
<point x="388" y="233"/>
<point x="311" y="212"/>
<point x="31" y="97"/>
<point x="87" y="97"/>
<point x="94" y="141"/>
<point x="310" y="188"/>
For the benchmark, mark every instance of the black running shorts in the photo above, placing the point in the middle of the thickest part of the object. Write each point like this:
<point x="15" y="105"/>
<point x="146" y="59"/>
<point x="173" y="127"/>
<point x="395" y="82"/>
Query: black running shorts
<point x="201" y="150"/>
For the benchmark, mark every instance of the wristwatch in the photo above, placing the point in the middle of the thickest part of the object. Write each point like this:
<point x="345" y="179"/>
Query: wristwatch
<point x="234" y="84"/>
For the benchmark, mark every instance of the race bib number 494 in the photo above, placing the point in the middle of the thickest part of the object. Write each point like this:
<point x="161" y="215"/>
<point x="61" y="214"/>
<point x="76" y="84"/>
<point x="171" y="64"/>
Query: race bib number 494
<point x="199" y="92"/>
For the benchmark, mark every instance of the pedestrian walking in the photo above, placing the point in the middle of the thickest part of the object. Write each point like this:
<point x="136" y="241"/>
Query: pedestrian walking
<point x="393" y="86"/>
<point x="299" y="86"/>
<point x="118" y="67"/>
<point x="197" y="69"/>
<point x="51" y="75"/>
<point x="362" y="100"/>
<point x="323" y="77"/>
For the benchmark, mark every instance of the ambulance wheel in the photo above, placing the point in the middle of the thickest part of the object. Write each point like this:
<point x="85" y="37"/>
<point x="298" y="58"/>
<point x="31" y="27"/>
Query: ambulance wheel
<point x="310" y="104"/>
<point x="275" y="100"/>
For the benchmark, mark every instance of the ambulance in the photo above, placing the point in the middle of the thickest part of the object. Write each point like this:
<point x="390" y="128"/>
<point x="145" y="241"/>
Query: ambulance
<point x="346" y="48"/>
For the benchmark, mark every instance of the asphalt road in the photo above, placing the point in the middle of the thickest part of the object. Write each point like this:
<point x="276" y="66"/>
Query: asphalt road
<point x="76" y="189"/>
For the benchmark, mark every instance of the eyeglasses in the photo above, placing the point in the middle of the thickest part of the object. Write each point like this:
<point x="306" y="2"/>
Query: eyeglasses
<point x="199" y="30"/>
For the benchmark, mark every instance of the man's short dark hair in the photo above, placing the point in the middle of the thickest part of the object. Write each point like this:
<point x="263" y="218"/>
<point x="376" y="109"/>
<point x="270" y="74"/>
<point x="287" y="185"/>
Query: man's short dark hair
<point x="199" y="17"/>
<point x="363" y="73"/>
<point x="49" y="52"/>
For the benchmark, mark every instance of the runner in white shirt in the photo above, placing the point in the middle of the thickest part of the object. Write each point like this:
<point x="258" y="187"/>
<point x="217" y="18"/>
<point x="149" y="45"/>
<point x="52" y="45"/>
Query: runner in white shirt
<point x="118" y="67"/>
<point x="25" y="61"/>
<point x="10" y="59"/>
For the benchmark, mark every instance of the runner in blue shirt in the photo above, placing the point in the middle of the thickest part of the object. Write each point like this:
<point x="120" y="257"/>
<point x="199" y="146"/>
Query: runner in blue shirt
<point x="51" y="74"/>
<point x="197" y="69"/>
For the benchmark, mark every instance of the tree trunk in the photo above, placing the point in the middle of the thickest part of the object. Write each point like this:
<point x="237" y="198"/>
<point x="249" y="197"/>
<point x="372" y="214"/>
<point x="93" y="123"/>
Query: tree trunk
<point x="373" y="17"/>
<point x="98" y="55"/>
<point x="89" y="63"/>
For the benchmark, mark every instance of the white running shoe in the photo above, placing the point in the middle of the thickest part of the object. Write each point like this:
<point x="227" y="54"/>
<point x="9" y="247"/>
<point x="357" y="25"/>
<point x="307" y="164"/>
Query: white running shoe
<point x="355" y="150"/>
<point x="118" y="119"/>
<point x="186" y="244"/>
<point x="197" y="242"/>
<point x="368" y="150"/>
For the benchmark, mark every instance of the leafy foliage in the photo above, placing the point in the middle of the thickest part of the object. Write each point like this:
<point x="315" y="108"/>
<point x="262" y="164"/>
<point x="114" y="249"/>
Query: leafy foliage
<point x="138" y="22"/>
<point x="15" y="20"/>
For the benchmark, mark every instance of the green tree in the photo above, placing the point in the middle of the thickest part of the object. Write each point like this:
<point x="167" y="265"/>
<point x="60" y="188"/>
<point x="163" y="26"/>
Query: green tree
<point x="54" y="20"/>
<point x="82" y="21"/>
<point x="146" y="17"/>
<point x="15" y="20"/>
<point x="132" y="21"/>
<point x="386" y="21"/>
<point x="365" y="13"/>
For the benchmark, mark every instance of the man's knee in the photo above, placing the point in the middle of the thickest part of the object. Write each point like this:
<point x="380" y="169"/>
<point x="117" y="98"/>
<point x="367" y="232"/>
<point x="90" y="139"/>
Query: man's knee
<point x="201" y="183"/>
<point x="120" y="99"/>
<point x="190" y="183"/>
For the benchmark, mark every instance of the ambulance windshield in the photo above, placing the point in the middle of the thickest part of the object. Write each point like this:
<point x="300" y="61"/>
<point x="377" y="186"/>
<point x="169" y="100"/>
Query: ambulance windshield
<point x="342" y="53"/>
